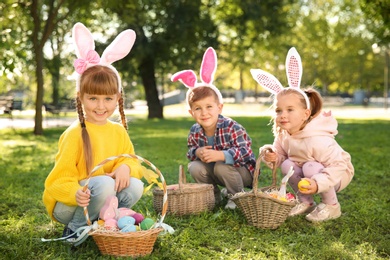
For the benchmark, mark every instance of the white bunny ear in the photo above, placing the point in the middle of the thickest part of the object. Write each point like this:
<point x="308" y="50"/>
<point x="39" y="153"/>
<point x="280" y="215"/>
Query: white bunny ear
<point x="267" y="81"/>
<point x="293" y="68"/>
<point x="119" y="48"/>
<point x="209" y="66"/>
<point x="187" y="77"/>
<point x="83" y="40"/>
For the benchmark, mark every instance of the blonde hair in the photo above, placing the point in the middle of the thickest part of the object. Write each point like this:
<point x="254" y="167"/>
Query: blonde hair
<point x="315" y="100"/>
<point x="97" y="80"/>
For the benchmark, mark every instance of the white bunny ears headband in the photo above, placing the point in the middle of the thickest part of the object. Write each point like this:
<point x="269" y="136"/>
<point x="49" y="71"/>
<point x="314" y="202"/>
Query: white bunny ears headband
<point x="294" y="76"/>
<point x="88" y="57"/>
<point x="207" y="71"/>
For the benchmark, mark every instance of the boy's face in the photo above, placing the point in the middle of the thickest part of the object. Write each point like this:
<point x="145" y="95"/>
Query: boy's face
<point x="205" y="112"/>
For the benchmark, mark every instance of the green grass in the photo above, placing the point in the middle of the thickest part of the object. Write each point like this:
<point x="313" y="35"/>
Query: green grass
<point x="362" y="232"/>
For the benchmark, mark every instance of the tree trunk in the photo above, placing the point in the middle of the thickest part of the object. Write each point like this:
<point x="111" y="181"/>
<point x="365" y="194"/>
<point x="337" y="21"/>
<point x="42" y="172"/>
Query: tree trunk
<point x="147" y="73"/>
<point x="55" y="78"/>
<point x="38" y="129"/>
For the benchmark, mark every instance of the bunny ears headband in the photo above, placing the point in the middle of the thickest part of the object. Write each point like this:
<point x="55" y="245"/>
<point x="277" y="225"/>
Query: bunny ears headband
<point x="207" y="71"/>
<point x="88" y="57"/>
<point x="294" y="76"/>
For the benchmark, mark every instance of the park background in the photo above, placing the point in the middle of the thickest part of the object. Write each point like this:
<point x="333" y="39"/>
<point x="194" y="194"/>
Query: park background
<point x="344" y="45"/>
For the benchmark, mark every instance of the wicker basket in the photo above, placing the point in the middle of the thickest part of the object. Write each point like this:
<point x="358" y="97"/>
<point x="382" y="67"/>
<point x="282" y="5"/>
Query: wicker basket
<point x="185" y="198"/>
<point x="132" y="244"/>
<point x="260" y="209"/>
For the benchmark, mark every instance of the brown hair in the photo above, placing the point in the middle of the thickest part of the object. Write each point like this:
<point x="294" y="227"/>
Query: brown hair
<point x="315" y="100"/>
<point x="200" y="93"/>
<point x="97" y="80"/>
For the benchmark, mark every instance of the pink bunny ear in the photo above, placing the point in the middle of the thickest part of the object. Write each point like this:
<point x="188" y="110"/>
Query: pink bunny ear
<point x="119" y="48"/>
<point x="293" y="68"/>
<point x="267" y="81"/>
<point x="187" y="77"/>
<point x="209" y="66"/>
<point x="83" y="40"/>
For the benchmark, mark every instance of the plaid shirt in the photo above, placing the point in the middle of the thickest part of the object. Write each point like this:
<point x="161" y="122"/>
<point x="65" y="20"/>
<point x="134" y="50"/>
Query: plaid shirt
<point x="229" y="136"/>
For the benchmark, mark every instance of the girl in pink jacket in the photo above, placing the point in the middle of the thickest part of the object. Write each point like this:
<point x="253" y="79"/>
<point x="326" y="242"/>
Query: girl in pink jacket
<point x="305" y="140"/>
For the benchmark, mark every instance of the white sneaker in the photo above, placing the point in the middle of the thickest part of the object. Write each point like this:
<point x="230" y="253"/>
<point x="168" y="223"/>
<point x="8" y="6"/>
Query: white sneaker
<point x="301" y="208"/>
<point x="224" y="193"/>
<point x="324" y="212"/>
<point x="230" y="205"/>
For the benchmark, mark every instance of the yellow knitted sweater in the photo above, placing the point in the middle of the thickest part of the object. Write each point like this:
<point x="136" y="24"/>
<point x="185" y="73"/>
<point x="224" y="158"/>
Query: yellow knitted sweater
<point x="107" y="140"/>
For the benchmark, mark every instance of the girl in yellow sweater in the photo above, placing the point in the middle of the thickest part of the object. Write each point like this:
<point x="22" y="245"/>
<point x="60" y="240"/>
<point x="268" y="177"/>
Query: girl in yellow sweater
<point x="94" y="138"/>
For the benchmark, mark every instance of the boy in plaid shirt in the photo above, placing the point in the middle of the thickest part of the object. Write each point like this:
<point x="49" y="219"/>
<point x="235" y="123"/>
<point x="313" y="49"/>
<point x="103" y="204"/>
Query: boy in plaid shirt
<point x="218" y="147"/>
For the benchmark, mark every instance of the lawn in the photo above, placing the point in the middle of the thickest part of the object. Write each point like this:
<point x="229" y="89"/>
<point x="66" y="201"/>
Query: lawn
<point x="362" y="232"/>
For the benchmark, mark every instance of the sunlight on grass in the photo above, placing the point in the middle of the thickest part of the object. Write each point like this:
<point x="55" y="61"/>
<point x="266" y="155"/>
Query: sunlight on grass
<point x="360" y="233"/>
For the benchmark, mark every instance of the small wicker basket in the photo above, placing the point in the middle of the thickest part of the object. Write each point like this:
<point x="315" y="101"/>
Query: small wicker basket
<point x="260" y="209"/>
<point x="131" y="244"/>
<point x="185" y="198"/>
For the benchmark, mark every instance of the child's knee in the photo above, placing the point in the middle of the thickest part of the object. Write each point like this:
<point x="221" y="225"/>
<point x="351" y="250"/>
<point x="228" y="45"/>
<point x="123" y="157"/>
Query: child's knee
<point x="221" y="168"/>
<point x="103" y="186"/>
<point x="311" y="168"/>
<point x="137" y="186"/>
<point x="286" y="165"/>
<point x="197" y="169"/>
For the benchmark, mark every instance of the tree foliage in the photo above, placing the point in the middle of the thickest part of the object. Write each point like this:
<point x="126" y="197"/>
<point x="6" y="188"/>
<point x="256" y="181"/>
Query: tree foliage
<point x="334" y="38"/>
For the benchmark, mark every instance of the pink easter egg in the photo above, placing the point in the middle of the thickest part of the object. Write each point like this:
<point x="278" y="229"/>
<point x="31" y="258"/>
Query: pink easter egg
<point x="125" y="212"/>
<point x="110" y="224"/>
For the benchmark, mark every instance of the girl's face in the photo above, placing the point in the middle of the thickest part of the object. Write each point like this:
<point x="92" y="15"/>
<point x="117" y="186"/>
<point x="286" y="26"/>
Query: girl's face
<point x="205" y="112"/>
<point x="98" y="108"/>
<point x="290" y="114"/>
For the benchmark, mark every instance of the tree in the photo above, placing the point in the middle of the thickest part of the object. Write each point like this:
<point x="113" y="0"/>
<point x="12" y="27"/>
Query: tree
<point x="46" y="16"/>
<point x="377" y="13"/>
<point x="166" y="31"/>
<point x="246" y="27"/>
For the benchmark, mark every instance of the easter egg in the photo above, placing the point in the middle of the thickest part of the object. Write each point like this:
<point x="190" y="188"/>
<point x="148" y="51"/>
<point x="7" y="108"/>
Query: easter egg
<point x="101" y="222"/>
<point x="110" y="223"/>
<point x="290" y="196"/>
<point x="125" y="212"/>
<point x="124" y="221"/>
<point x="146" y="224"/>
<point x="138" y="218"/>
<point x="301" y="183"/>
<point x="129" y="228"/>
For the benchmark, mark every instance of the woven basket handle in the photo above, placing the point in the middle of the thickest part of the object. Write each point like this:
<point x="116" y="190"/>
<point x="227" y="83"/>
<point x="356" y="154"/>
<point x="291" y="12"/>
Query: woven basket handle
<point x="154" y="168"/>
<point x="257" y="173"/>
<point x="182" y="177"/>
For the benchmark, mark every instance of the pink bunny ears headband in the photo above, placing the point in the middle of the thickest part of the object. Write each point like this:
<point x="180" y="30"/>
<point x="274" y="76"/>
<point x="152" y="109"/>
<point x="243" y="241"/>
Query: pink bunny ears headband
<point x="88" y="57"/>
<point x="207" y="71"/>
<point x="294" y="75"/>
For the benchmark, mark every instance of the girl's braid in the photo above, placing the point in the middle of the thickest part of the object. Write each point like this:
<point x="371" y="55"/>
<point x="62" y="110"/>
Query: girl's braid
<point x="121" y="110"/>
<point x="85" y="136"/>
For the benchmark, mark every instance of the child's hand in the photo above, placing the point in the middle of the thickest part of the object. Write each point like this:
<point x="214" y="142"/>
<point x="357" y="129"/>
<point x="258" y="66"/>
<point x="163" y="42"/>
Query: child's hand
<point x="270" y="156"/>
<point x="83" y="197"/>
<point x="121" y="176"/>
<point x="207" y="154"/>
<point x="311" y="188"/>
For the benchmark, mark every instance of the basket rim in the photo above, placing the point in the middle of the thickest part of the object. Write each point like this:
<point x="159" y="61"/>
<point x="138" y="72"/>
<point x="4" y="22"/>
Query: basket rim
<point x="263" y="196"/>
<point x="117" y="233"/>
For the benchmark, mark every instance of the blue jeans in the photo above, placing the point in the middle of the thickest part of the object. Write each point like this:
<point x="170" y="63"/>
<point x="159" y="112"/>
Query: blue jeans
<point x="101" y="187"/>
